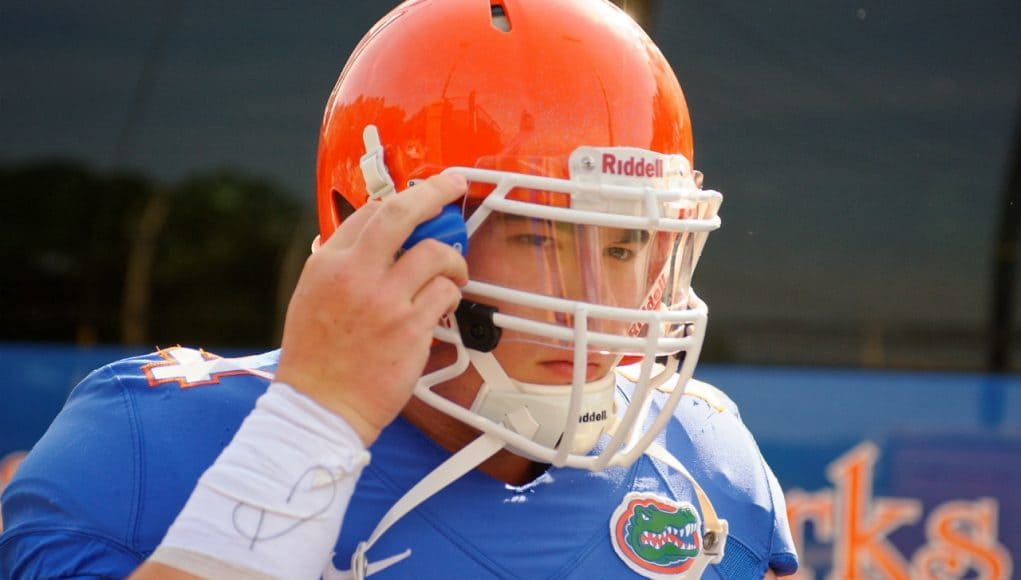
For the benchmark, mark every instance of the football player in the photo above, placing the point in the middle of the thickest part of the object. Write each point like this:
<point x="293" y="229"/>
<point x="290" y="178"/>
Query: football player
<point x="486" y="368"/>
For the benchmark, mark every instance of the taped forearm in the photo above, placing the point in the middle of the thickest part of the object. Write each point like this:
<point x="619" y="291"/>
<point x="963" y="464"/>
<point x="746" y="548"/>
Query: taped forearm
<point x="273" y="501"/>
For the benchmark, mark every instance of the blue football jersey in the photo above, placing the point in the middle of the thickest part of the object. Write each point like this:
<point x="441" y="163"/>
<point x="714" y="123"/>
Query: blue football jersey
<point x="100" y="489"/>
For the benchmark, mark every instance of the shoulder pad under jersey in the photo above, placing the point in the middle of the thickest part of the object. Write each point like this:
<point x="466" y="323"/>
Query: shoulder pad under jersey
<point x="713" y="396"/>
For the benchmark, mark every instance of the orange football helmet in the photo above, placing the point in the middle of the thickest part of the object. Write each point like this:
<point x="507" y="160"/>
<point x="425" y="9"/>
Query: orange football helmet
<point x="574" y="135"/>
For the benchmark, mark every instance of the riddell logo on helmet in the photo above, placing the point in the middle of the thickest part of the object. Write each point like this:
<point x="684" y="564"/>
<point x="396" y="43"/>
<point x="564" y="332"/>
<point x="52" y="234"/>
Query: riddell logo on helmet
<point x="632" y="166"/>
<point x="593" y="417"/>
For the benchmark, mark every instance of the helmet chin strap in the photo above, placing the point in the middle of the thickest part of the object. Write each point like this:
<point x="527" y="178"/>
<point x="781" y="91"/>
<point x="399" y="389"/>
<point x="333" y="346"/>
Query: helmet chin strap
<point x="539" y="412"/>
<point x="446" y="473"/>
<point x="518" y="405"/>
<point x="523" y="407"/>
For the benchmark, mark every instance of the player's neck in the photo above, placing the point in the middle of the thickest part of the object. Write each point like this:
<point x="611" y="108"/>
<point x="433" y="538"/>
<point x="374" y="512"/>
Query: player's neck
<point x="453" y="435"/>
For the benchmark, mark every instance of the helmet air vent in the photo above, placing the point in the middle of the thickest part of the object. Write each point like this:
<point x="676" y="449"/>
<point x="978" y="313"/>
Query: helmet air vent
<point x="499" y="17"/>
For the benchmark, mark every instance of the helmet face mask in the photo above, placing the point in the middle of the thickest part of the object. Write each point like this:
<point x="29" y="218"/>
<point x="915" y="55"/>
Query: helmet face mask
<point x="620" y="247"/>
<point x="583" y="214"/>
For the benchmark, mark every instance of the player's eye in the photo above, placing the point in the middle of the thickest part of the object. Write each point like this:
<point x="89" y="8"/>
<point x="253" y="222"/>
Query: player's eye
<point x="536" y="240"/>
<point x="620" y="253"/>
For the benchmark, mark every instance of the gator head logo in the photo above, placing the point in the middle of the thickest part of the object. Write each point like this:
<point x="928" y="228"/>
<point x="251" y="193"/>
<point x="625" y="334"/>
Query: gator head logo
<point x="656" y="536"/>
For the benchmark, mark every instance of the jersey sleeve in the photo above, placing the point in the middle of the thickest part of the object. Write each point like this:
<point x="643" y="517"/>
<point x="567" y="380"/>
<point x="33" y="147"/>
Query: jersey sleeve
<point x="70" y="510"/>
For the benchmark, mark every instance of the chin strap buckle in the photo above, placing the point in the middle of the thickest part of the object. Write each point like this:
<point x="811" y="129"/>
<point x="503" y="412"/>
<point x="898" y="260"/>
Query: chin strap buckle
<point x="475" y="323"/>
<point x="360" y="565"/>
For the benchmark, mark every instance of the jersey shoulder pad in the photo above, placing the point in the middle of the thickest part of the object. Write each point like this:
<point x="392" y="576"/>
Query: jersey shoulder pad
<point x="704" y="391"/>
<point x="190" y="367"/>
<point x="712" y="395"/>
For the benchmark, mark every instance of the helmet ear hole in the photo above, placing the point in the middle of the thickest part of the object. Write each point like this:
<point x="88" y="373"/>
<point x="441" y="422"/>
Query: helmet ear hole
<point x="342" y="208"/>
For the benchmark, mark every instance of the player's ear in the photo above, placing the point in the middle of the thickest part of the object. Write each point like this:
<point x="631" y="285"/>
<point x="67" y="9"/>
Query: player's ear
<point x="316" y="243"/>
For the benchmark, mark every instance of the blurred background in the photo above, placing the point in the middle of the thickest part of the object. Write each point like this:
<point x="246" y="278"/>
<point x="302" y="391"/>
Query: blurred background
<point x="157" y="176"/>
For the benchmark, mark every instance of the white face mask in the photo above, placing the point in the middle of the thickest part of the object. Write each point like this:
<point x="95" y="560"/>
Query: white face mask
<point x="595" y="265"/>
<point x="609" y="190"/>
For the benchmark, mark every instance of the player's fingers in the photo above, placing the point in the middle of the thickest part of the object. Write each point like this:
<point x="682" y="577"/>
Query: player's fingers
<point x="398" y="215"/>
<point x="440" y="296"/>
<point x="349" y="230"/>
<point x="427" y="260"/>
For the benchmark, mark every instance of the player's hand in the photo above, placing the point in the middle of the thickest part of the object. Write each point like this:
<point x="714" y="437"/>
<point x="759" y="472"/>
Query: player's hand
<point x="359" y="325"/>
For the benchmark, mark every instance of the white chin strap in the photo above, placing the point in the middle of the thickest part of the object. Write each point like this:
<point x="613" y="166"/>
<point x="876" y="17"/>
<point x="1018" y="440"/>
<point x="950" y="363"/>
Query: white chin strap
<point x="539" y="412"/>
<point x="542" y="418"/>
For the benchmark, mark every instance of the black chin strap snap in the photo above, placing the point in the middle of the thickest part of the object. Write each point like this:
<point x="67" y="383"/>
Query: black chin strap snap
<point x="475" y="322"/>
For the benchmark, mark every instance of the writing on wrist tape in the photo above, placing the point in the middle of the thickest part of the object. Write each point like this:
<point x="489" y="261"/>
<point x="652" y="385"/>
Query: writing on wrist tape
<point x="273" y="501"/>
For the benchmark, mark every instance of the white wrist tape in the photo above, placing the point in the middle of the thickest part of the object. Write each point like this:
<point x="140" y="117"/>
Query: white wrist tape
<point x="273" y="501"/>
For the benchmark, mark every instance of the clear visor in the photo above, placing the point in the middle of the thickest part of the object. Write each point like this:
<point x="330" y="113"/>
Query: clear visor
<point x="592" y="258"/>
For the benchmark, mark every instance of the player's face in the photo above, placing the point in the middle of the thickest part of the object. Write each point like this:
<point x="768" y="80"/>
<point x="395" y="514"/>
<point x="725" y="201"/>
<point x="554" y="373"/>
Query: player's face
<point x="600" y="265"/>
<point x="582" y="263"/>
<point x="532" y="362"/>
